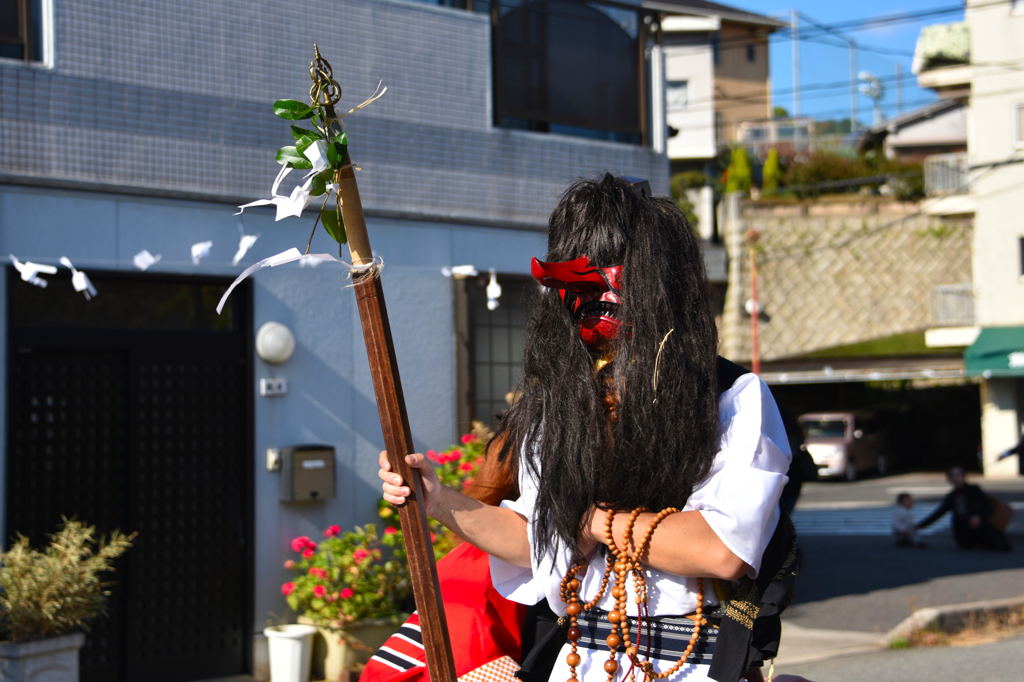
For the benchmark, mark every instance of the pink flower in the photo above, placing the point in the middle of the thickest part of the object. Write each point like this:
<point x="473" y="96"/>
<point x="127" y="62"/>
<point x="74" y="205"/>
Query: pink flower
<point x="468" y="438"/>
<point x="317" y="572"/>
<point x="433" y="456"/>
<point x="308" y="553"/>
<point x="390" y="530"/>
<point x="346" y="593"/>
<point x="319" y="591"/>
<point x="359" y="555"/>
<point x="300" y="543"/>
<point x="332" y="531"/>
<point x="467" y="466"/>
<point x="289" y="565"/>
<point x="287" y="588"/>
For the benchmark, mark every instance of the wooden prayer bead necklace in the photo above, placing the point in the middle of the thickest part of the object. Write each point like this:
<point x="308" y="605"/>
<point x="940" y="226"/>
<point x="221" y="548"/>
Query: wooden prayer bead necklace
<point x="623" y="561"/>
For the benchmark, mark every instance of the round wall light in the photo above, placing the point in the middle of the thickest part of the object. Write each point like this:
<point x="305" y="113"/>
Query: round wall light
<point x="274" y="343"/>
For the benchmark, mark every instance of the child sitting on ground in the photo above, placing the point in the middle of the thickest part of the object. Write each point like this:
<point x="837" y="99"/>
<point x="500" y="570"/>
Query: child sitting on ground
<point x="904" y="528"/>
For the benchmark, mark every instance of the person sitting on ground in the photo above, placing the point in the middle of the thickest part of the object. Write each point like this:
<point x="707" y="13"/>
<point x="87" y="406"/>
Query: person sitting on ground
<point x="972" y="510"/>
<point x="904" y="530"/>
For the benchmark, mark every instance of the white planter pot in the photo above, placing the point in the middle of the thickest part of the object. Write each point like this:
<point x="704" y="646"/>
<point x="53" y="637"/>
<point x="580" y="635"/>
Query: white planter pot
<point x="54" y="659"/>
<point x="290" y="648"/>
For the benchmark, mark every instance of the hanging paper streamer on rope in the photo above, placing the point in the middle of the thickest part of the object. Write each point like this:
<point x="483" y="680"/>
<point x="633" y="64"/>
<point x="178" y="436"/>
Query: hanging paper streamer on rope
<point x="305" y="260"/>
<point x="79" y="280"/>
<point x="245" y="243"/>
<point x="459" y="271"/>
<point x="30" y="271"/>
<point x="143" y="259"/>
<point x="200" y="250"/>
<point x="493" y="291"/>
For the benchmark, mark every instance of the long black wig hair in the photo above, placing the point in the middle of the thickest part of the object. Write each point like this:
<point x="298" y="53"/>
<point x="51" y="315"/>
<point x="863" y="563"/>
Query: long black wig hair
<point x="663" y="439"/>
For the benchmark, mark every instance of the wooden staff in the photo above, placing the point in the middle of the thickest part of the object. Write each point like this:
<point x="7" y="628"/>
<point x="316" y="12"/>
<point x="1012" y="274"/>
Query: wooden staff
<point x="394" y="421"/>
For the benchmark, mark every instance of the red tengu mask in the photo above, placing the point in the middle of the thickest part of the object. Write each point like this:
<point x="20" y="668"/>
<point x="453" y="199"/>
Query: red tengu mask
<point x="592" y="294"/>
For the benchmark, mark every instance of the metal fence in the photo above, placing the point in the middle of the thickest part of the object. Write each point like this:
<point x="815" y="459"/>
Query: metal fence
<point x="946" y="174"/>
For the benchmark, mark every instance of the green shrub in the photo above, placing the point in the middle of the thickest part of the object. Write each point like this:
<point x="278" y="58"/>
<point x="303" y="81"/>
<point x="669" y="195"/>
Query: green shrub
<point x="679" y="184"/>
<point x="772" y="173"/>
<point x="906" y="179"/>
<point x="739" y="177"/>
<point x="811" y="176"/>
<point x="58" y="590"/>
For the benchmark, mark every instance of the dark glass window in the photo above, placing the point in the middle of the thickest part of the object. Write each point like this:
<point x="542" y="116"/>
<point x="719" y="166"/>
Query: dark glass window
<point x="751" y="53"/>
<point x="495" y="347"/>
<point x="566" y="66"/>
<point x="21" y="29"/>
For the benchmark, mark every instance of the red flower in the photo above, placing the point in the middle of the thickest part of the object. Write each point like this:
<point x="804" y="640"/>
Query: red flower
<point x="287" y="588"/>
<point x="346" y="593"/>
<point x="308" y="553"/>
<point x="467" y="483"/>
<point x="319" y="591"/>
<point x="467" y="466"/>
<point x="433" y="456"/>
<point x="317" y="572"/>
<point x="453" y="456"/>
<point x="332" y="531"/>
<point x="359" y="555"/>
<point x="433" y="538"/>
<point x="300" y="543"/>
<point x="390" y="530"/>
<point x="468" y="438"/>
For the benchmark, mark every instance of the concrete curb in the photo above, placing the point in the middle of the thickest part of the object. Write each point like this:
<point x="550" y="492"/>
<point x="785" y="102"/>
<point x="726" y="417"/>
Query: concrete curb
<point x="950" y="617"/>
<point x="803" y="645"/>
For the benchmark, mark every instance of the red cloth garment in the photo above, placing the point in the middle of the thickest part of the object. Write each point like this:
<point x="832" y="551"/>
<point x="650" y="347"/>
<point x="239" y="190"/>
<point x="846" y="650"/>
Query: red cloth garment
<point x="482" y="625"/>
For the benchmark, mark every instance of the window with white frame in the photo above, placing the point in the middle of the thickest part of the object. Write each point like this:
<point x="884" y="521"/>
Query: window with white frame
<point x="22" y="29"/>
<point x="677" y="95"/>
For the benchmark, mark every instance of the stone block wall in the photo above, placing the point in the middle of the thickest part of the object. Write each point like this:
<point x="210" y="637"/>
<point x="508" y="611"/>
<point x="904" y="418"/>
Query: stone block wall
<point x="832" y="273"/>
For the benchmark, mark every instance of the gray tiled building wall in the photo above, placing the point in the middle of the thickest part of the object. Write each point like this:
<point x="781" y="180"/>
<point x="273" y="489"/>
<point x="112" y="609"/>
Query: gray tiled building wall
<point x="174" y="98"/>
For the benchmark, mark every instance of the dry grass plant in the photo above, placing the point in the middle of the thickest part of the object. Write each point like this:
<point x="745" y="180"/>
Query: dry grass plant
<point x="976" y="629"/>
<point x="60" y="589"/>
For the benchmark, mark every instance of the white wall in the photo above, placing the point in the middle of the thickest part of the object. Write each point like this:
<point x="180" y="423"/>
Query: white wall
<point x="688" y="58"/>
<point x="996" y="36"/>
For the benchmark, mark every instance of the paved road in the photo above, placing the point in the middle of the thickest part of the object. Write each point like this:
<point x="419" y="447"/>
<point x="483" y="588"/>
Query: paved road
<point x="992" y="662"/>
<point x="853" y="578"/>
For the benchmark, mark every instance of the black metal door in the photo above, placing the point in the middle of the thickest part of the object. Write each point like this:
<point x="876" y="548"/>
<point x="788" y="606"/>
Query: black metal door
<point x="136" y="414"/>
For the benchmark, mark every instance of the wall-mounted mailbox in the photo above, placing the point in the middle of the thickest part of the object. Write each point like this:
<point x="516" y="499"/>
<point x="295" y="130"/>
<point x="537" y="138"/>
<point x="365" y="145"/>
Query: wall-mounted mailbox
<point x="307" y="473"/>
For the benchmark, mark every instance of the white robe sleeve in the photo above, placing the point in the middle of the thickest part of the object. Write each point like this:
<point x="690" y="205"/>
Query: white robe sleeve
<point x="740" y="497"/>
<point x="517" y="583"/>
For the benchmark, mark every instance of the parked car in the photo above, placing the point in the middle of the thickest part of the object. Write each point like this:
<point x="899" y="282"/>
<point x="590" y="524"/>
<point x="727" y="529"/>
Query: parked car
<point x="845" y="444"/>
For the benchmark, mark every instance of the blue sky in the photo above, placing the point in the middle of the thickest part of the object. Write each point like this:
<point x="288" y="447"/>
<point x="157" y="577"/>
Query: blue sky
<point x="827" y="64"/>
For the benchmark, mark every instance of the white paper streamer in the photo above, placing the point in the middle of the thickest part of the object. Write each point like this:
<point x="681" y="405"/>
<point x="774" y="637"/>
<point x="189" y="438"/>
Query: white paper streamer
<point x="290" y="256"/>
<point x="459" y="271"/>
<point x="493" y="291"/>
<point x="200" y="250"/>
<point x="244" y="244"/>
<point x="79" y="280"/>
<point x="29" y="271"/>
<point x="293" y="204"/>
<point x="143" y="259"/>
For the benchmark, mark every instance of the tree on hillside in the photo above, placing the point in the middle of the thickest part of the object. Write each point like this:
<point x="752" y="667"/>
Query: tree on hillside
<point x="772" y="173"/>
<point x="739" y="178"/>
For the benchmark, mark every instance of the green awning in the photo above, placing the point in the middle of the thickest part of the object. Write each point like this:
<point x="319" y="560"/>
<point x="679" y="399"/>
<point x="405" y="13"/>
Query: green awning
<point x="997" y="352"/>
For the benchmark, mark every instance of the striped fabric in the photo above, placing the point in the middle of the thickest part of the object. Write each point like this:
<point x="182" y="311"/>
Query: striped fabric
<point x="664" y="638"/>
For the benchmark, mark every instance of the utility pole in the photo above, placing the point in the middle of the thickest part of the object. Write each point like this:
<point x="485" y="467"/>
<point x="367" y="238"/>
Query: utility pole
<point x="899" y="88"/>
<point x="853" y="64"/>
<point x="754" y="304"/>
<point x="794" y="29"/>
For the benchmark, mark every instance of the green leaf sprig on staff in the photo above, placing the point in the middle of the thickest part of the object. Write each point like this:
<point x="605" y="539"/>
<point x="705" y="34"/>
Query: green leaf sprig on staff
<point x="333" y="143"/>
